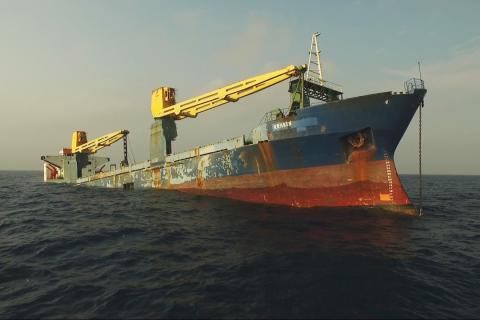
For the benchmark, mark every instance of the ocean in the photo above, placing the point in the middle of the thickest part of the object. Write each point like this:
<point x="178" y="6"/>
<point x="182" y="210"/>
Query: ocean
<point x="76" y="252"/>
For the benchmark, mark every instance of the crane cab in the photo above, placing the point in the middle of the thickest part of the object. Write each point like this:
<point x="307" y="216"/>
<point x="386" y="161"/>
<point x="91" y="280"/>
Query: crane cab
<point x="78" y="138"/>
<point x="162" y="98"/>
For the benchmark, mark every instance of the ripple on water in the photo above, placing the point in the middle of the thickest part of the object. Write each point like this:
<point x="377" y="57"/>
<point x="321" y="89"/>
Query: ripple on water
<point x="87" y="252"/>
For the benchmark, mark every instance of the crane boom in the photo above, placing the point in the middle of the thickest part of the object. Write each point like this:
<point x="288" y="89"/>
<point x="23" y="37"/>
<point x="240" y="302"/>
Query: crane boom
<point x="80" y="144"/>
<point x="163" y="98"/>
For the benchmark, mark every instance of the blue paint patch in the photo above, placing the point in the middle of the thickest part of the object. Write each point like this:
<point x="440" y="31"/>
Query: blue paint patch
<point x="303" y="124"/>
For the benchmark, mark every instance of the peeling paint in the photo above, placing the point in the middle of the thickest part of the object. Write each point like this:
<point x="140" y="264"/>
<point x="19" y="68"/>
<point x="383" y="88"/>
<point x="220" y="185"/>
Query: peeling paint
<point x="301" y="164"/>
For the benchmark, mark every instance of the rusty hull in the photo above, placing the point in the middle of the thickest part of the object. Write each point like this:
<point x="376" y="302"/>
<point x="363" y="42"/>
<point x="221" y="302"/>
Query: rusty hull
<point x="309" y="159"/>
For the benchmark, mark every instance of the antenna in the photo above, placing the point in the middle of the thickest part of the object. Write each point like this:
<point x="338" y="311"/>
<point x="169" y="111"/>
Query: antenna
<point x="314" y="69"/>
<point x="419" y="70"/>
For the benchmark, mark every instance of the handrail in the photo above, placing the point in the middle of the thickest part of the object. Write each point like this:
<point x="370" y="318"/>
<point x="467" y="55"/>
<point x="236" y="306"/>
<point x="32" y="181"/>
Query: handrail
<point x="414" y="83"/>
<point x="272" y="115"/>
<point x="327" y="84"/>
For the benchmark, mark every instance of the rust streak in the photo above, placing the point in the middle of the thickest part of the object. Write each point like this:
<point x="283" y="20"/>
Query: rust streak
<point x="359" y="160"/>
<point x="267" y="156"/>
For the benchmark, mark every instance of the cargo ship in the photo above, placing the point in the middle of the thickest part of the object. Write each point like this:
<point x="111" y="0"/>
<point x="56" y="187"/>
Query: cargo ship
<point x="321" y="151"/>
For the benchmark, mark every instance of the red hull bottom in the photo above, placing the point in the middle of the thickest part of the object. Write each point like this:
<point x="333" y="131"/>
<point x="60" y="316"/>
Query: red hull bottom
<point x="358" y="184"/>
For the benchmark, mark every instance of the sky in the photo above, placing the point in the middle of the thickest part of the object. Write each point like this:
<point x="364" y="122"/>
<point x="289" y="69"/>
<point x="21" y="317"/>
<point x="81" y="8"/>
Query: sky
<point x="91" y="65"/>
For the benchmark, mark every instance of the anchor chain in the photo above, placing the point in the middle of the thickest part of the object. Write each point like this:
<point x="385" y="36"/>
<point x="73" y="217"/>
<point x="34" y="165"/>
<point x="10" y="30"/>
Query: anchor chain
<point x="420" y="182"/>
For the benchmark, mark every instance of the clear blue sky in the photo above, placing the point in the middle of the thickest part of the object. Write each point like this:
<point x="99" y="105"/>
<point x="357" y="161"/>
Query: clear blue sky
<point x="91" y="65"/>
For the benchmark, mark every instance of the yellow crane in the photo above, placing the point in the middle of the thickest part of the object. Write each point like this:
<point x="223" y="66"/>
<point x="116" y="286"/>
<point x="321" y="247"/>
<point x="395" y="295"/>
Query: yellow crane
<point x="163" y="98"/>
<point x="81" y="145"/>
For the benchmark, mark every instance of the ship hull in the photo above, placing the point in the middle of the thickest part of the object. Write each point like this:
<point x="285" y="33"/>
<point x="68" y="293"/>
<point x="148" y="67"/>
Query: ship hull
<point x="333" y="155"/>
<point x="360" y="184"/>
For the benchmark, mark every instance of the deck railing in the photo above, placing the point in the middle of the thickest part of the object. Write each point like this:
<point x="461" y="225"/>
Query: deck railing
<point x="325" y="83"/>
<point x="414" y="83"/>
<point x="274" y="114"/>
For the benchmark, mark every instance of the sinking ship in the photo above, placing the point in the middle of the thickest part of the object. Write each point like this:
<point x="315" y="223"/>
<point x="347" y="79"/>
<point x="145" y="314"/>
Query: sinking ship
<point x="321" y="151"/>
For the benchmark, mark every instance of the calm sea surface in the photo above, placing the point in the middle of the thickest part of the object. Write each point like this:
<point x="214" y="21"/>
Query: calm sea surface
<point x="79" y="252"/>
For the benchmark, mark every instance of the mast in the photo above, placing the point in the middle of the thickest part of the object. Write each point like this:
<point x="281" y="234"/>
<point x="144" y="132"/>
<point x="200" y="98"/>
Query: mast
<point x="314" y="68"/>
<point x="313" y="85"/>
